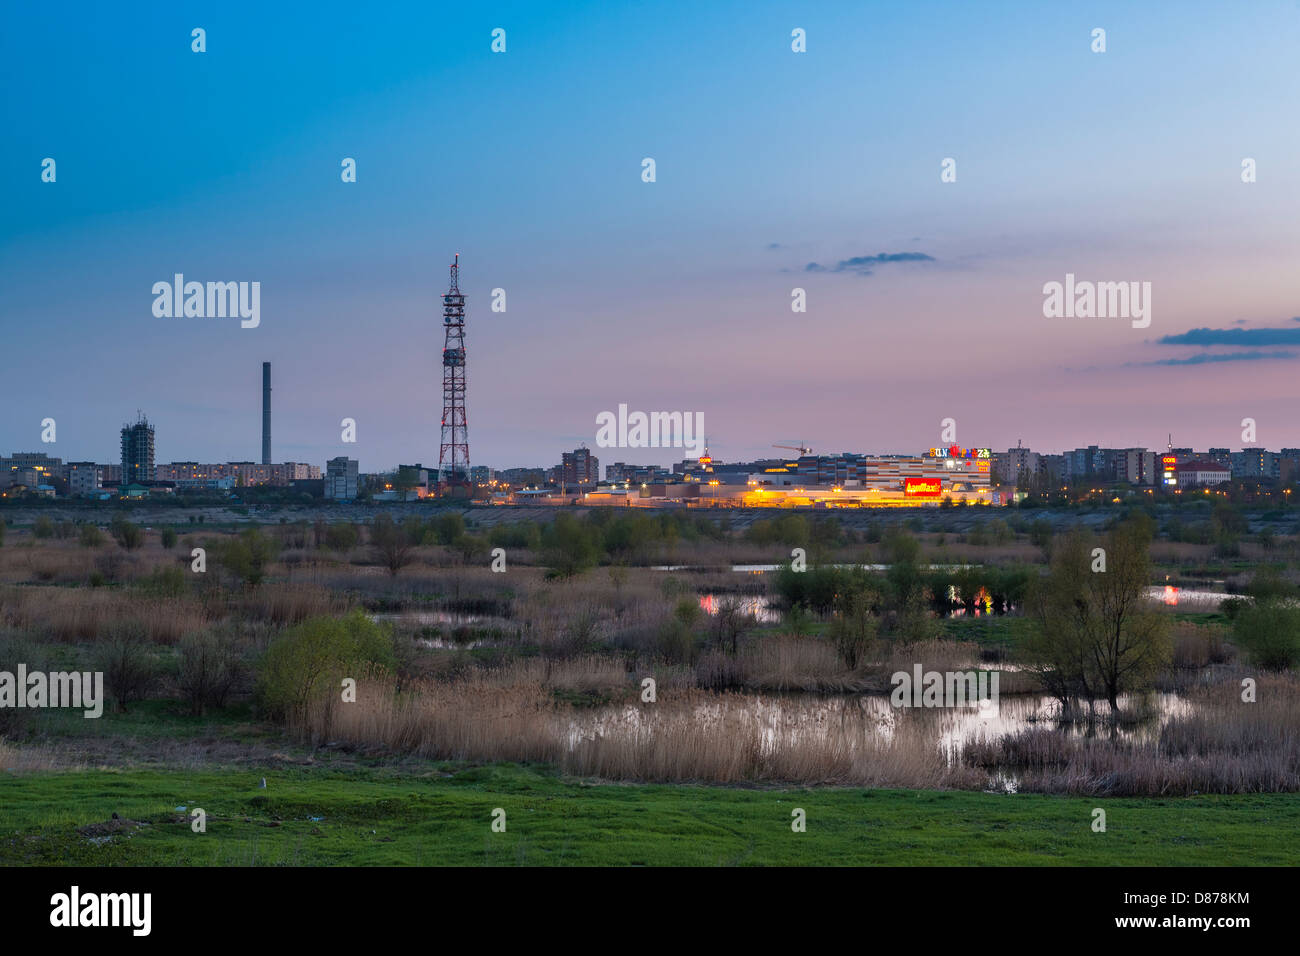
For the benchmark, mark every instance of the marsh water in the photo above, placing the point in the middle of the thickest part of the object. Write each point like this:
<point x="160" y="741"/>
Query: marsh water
<point x="767" y="610"/>
<point x="872" y="721"/>
<point x="789" y="719"/>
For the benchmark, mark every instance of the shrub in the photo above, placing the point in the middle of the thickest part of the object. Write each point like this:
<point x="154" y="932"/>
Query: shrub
<point x="671" y="586"/>
<point x="44" y="527"/>
<point x="309" y="661"/>
<point x="247" y="555"/>
<point x="111" y="565"/>
<point x="17" y="648"/>
<point x="210" y="668"/>
<point x="341" y="537"/>
<point x="123" y="656"/>
<point x="1267" y="584"/>
<point x="520" y="534"/>
<point x="675" y="642"/>
<point x="164" y="582"/>
<point x="1270" y="633"/>
<point x="730" y="622"/>
<point x="814" y="589"/>
<point x="570" y="547"/>
<point x="130" y="536"/>
<point x="1000" y="531"/>
<point x="169" y="538"/>
<point x="1231" y="607"/>
<point x="791" y="530"/>
<point x="447" y="528"/>
<point x="687" y="611"/>
<point x="393" y="544"/>
<point x="90" y="536"/>
<point x="1040" y="533"/>
<point x="853" y="630"/>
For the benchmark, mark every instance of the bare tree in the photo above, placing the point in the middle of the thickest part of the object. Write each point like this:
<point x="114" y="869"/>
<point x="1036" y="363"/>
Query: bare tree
<point x="392" y="545"/>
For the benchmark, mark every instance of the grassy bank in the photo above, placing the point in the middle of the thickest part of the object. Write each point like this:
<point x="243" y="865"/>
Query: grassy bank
<point x="443" y="817"/>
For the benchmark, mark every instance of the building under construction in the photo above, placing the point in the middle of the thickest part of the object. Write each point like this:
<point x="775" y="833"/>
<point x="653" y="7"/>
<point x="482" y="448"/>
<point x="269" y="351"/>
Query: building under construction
<point x="137" y="451"/>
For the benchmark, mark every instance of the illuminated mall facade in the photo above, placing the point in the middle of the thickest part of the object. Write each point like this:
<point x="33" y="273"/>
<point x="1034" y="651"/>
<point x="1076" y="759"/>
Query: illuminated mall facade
<point x="829" y="481"/>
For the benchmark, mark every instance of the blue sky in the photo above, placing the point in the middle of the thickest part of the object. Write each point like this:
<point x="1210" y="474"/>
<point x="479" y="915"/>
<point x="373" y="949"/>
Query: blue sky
<point x="672" y="295"/>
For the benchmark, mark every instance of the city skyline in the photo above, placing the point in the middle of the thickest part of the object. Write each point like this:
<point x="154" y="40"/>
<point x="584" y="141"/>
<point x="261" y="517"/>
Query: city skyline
<point x="924" y="298"/>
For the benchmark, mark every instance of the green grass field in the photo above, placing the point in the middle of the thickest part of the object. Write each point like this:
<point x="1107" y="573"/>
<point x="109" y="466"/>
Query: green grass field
<point x="442" y="815"/>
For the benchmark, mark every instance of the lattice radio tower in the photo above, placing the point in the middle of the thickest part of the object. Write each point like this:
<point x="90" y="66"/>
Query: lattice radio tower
<point x="453" y="453"/>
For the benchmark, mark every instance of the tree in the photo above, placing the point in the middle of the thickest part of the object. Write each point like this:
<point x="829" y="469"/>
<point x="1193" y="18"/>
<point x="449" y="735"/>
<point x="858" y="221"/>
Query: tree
<point x="471" y="547"/>
<point x="1099" y="634"/>
<point x="44" y="527"/>
<point x="122" y="655"/>
<point x="1040" y="534"/>
<point x="446" y="528"/>
<point x="247" y="555"/>
<point x="392" y="544"/>
<point x="341" y="537"/>
<point x="569" y="547"/>
<point x="730" y="622"/>
<point x="129" y="536"/>
<point x="210" y="667"/>
<point x="853" y="630"/>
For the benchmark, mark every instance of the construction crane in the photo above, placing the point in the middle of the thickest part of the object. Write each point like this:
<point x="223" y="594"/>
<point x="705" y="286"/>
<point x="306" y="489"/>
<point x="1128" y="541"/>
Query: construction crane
<point x="801" y="448"/>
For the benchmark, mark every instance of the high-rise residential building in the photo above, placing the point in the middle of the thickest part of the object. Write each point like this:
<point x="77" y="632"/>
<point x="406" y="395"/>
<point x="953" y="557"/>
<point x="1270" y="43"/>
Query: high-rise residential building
<point x="1256" y="463"/>
<point x="1137" y="466"/>
<point x="137" y="451"/>
<point x="579" y="467"/>
<point x="341" y="478"/>
<point x="1015" y="463"/>
<point x="1084" y="462"/>
<point x="480" y="474"/>
<point x="1052" y="468"/>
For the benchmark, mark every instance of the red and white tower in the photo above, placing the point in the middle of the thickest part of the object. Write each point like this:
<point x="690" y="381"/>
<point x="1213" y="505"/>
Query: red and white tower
<point x="453" y="453"/>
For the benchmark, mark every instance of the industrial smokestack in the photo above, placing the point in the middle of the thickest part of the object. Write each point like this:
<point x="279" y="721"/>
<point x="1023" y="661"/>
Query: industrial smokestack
<point x="266" y="413"/>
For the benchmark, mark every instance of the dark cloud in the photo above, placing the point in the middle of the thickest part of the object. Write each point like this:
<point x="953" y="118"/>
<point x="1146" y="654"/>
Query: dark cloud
<point x="1207" y="357"/>
<point x="864" y="265"/>
<point x="775" y="245"/>
<point x="1239" y="337"/>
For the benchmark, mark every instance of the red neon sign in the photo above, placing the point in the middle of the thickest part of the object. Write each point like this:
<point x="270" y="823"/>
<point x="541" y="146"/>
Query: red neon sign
<point x="922" y="487"/>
